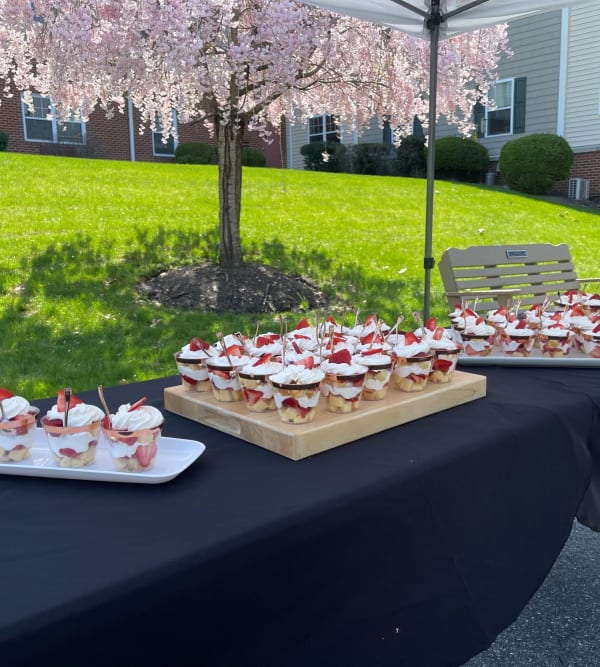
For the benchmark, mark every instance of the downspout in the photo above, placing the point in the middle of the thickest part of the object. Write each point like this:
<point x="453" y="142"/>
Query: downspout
<point x="131" y="128"/>
<point x="562" y="73"/>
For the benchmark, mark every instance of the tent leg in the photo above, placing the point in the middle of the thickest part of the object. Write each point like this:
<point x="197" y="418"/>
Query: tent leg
<point x="428" y="262"/>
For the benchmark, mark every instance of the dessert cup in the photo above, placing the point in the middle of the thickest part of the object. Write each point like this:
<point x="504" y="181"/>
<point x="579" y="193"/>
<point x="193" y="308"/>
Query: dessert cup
<point x="193" y="374"/>
<point x="517" y="345"/>
<point x="296" y="402"/>
<point x="379" y="374"/>
<point x="224" y="379"/>
<point x="72" y="446"/>
<point x="411" y="374"/>
<point x="256" y="388"/>
<point x="591" y="344"/>
<point x="133" y="451"/>
<point x="555" y="345"/>
<point x="475" y="345"/>
<point x="443" y="365"/>
<point x="16" y="436"/>
<point x="343" y="392"/>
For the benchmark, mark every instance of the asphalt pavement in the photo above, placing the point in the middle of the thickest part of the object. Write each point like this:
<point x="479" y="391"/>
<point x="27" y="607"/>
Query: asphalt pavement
<point x="560" y="626"/>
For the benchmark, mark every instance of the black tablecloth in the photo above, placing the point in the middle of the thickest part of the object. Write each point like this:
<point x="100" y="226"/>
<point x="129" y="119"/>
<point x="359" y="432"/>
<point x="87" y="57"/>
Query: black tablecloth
<point x="415" y="546"/>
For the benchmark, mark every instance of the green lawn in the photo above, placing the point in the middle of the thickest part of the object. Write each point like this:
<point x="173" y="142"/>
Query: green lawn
<point x="78" y="235"/>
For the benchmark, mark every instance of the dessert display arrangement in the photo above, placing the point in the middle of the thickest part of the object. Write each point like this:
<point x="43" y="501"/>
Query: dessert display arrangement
<point x="565" y="331"/>
<point x="301" y="391"/>
<point x="83" y="441"/>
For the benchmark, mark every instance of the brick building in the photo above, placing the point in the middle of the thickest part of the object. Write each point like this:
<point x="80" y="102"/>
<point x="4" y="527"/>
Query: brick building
<point x="116" y="138"/>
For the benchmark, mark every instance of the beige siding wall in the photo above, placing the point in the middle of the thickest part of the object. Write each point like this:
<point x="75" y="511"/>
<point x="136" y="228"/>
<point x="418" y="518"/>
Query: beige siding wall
<point x="582" y="124"/>
<point x="298" y="136"/>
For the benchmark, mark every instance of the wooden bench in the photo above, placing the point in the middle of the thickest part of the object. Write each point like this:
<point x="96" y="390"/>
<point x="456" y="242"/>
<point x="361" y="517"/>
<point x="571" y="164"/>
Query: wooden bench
<point x="503" y="274"/>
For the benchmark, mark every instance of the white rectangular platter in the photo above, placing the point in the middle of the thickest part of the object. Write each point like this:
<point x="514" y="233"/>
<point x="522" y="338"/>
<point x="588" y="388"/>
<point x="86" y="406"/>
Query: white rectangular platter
<point x="328" y="430"/>
<point x="174" y="456"/>
<point x="574" y="359"/>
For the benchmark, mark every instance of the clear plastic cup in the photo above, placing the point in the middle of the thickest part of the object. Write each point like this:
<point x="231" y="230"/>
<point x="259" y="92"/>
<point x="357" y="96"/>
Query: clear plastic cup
<point x="72" y="446"/>
<point x="16" y="436"/>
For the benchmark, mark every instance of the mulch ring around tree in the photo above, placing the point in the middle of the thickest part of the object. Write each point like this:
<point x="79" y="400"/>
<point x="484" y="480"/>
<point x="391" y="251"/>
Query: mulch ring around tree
<point x="251" y="288"/>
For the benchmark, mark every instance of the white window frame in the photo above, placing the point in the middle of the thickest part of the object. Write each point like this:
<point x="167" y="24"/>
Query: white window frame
<point x="157" y="136"/>
<point x="510" y="106"/>
<point x="56" y="126"/>
<point x="325" y="132"/>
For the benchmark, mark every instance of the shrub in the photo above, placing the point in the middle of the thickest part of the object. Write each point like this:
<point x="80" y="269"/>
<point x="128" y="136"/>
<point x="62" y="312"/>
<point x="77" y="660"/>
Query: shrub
<point x="337" y="158"/>
<point x="532" y="164"/>
<point x="410" y="156"/>
<point x="253" y="157"/>
<point x="3" y="141"/>
<point x="194" y="152"/>
<point x="373" y="158"/>
<point x="461" y="159"/>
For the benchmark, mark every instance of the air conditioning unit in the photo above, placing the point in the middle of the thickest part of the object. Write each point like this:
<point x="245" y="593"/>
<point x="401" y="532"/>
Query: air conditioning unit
<point x="579" y="188"/>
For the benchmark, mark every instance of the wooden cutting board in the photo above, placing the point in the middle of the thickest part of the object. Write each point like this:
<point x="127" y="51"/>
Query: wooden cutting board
<point x="328" y="430"/>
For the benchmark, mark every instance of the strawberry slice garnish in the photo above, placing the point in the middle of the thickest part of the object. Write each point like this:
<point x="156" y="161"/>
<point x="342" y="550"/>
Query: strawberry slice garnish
<point x="198" y="344"/>
<point x="431" y="324"/>
<point x="146" y="453"/>
<point x="296" y="347"/>
<point x="330" y="320"/>
<point x="265" y="358"/>
<point x="5" y="393"/>
<point x="577" y="311"/>
<point x="372" y="337"/>
<point x="137" y="404"/>
<point x="188" y="379"/>
<point x="438" y="333"/>
<point x="372" y="350"/>
<point x="371" y="319"/>
<point x="265" y="339"/>
<point x="307" y="362"/>
<point x="341" y="357"/>
<point x="410" y="338"/>
<point x="60" y="403"/>
<point x="522" y="324"/>
<point x="302" y="324"/>
<point x="233" y="351"/>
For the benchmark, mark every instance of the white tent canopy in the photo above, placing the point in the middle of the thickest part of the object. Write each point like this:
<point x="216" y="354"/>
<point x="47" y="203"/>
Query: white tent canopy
<point x="435" y="20"/>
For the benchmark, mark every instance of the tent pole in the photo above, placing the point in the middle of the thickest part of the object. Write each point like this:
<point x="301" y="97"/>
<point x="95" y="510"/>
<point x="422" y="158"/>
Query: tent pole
<point x="433" y="24"/>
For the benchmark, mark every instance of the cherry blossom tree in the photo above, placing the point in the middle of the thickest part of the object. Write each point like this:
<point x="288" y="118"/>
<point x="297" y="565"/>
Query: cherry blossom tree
<point x="235" y="65"/>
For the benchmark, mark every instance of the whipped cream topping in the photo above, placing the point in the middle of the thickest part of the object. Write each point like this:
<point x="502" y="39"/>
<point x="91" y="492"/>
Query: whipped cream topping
<point x="329" y="367"/>
<point x="268" y="368"/>
<point x="373" y="360"/>
<point x="481" y="329"/>
<point x="513" y="331"/>
<point x="81" y="414"/>
<point x="298" y="375"/>
<point x="146" y="416"/>
<point x="14" y="406"/>
<point x="186" y="353"/>
<point x="223" y="362"/>
<point x="411" y="350"/>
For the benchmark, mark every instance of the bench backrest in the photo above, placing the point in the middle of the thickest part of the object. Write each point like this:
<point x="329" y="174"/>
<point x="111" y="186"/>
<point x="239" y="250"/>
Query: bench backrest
<point x="537" y="270"/>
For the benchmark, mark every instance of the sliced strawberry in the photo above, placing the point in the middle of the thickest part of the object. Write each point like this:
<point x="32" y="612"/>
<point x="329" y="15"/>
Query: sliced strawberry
<point x="371" y="319"/>
<point x="137" y="404"/>
<point x="5" y="393"/>
<point x="53" y="422"/>
<point x="303" y="324"/>
<point x="233" y="351"/>
<point x="298" y="336"/>
<point x="431" y="324"/>
<point x="442" y="365"/>
<point x="188" y="379"/>
<point x="470" y="313"/>
<point x="438" y="333"/>
<point x="330" y="320"/>
<point x="263" y="341"/>
<point x="252" y="396"/>
<point x="265" y="358"/>
<point x="60" y="403"/>
<point x="341" y="357"/>
<point x="128" y="440"/>
<point x="416" y="378"/>
<point x="372" y="337"/>
<point x="307" y="362"/>
<point x="410" y="338"/>
<point x="67" y="451"/>
<point x="198" y="344"/>
<point x="222" y="374"/>
<point x="372" y="350"/>
<point x="296" y="347"/>
<point x="577" y="311"/>
<point x="145" y="454"/>
<point x="479" y="320"/>
<point x="522" y="324"/>
<point x="291" y="402"/>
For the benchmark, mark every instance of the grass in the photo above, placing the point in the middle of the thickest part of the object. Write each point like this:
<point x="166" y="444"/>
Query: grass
<point x="78" y="235"/>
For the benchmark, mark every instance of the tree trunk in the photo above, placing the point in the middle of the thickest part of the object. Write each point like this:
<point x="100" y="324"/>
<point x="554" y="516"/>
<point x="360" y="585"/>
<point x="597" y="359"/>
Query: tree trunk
<point x="229" y="143"/>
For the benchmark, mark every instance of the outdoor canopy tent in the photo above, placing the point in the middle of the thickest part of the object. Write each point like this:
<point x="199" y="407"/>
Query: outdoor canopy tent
<point x="435" y="20"/>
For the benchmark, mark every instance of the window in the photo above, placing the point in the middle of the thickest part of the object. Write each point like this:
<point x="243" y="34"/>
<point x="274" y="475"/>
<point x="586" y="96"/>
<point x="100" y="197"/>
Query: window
<point x="323" y="128"/>
<point x="508" y="113"/>
<point x="159" y="147"/>
<point x="40" y="123"/>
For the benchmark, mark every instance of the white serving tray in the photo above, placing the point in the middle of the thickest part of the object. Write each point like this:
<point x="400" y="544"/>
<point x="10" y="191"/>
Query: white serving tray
<point x="174" y="456"/>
